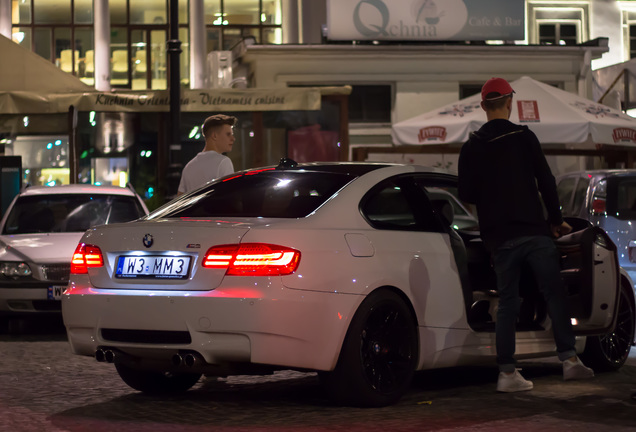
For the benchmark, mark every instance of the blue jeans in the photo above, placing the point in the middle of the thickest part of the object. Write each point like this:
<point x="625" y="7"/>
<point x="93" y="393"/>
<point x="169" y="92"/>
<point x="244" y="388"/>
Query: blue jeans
<point x="543" y="258"/>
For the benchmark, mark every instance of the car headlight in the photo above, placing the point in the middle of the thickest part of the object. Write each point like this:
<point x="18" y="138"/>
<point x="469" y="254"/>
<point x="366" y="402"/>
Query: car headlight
<point x="15" y="269"/>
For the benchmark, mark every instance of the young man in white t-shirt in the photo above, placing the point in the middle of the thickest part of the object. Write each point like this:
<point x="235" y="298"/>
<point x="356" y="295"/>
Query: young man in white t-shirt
<point x="210" y="163"/>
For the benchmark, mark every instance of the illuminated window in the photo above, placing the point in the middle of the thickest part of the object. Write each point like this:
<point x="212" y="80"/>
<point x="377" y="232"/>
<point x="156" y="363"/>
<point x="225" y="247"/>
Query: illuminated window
<point x="260" y="19"/>
<point x="629" y="33"/>
<point x="558" y="23"/>
<point x="61" y="31"/>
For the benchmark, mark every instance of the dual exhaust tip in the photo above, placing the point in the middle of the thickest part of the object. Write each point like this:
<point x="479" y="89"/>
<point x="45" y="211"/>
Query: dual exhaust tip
<point x="105" y="355"/>
<point x="188" y="359"/>
<point x="113" y="356"/>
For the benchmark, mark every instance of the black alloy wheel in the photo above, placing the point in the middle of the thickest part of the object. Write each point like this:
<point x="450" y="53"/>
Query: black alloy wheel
<point x="379" y="354"/>
<point x="610" y="351"/>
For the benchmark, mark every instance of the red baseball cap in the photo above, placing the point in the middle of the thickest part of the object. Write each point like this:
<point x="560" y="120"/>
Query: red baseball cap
<point x="496" y="85"/>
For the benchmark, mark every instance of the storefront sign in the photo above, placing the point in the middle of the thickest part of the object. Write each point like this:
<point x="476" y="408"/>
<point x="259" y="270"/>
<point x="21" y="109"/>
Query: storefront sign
<point x="425" y="20"/>
<point x="230" y="100"/>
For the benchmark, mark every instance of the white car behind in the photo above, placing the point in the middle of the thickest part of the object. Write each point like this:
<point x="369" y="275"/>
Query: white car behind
<point x="39" y="233"/>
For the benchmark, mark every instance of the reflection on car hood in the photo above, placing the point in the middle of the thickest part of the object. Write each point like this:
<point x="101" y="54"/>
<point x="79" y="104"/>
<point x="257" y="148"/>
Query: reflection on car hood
<point x="41" y="248"/>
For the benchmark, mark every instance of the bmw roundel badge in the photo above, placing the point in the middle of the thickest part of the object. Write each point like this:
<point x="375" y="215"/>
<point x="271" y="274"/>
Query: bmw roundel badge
<point x="148" y="240"/>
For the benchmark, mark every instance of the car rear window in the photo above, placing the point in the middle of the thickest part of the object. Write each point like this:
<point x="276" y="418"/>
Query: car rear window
<point x="270" y="194"/>
<point x="621" y="197"/>
<point x="69" y="212"/>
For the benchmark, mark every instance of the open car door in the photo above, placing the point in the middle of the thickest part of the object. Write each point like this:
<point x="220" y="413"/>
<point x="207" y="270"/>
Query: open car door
<point x="590" y="271"/>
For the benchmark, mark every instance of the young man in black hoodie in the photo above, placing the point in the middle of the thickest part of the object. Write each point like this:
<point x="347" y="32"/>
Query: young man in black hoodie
<point x="502" y="170"/>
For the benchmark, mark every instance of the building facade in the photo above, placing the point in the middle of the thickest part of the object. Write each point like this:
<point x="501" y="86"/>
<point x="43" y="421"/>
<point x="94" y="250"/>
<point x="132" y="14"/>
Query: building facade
<point x="121" y="45"/>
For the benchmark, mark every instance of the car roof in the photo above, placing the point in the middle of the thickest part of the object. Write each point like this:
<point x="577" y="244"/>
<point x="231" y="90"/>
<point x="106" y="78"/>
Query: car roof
<point x="602" y="172"/>
<point x="76" y="189"/>
<point x="353" y="168"/>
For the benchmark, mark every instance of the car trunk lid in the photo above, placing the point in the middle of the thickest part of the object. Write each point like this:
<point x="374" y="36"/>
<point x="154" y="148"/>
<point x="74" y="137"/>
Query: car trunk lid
<point x="162" y="255"/>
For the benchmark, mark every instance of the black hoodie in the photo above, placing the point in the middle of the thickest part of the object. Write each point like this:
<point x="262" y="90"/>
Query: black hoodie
<point x="502" y="170"/>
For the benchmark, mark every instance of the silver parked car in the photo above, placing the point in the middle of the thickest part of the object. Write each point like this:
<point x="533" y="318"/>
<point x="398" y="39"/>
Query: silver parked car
<point x="606" y="198"/>
<point x="39" y="233"/>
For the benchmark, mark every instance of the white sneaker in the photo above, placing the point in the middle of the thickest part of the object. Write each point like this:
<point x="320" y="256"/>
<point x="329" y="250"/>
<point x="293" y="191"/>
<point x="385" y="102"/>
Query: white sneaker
<point x="573" y="370"/>
<point x="513" y="382"/>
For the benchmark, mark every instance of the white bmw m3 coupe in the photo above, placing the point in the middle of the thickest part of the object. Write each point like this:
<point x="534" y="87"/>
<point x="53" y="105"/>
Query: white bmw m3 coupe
<point x="354" y="270"/>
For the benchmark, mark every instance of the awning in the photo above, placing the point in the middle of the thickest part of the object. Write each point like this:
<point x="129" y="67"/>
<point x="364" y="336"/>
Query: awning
<point x="21" y="69"/>
<point x="231" y="100"/>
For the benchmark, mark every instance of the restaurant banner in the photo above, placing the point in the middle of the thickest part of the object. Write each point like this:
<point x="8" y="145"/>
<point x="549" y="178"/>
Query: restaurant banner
<point x="205" y="100"/>
<point x="425" y="20"/>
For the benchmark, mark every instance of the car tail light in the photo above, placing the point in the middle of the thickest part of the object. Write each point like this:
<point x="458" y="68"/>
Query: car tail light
<point x="252" y="259"/>
<point x="598" y="206"/>
<point x="86" y="256"/>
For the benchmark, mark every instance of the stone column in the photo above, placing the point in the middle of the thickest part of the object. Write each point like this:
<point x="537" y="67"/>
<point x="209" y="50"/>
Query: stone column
<point x="198" y="52"/>
<point x="5" y="18"/>
<point x="290" y="22"/>
<point x="102" y="45"/>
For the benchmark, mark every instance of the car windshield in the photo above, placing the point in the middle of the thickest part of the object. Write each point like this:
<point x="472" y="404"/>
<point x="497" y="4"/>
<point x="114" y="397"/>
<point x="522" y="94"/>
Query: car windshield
<point x="271" y="194"/>
<point x="69" y="212"/>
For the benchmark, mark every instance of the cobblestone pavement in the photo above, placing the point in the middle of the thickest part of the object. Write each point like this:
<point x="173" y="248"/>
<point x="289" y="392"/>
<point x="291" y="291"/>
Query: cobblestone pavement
<point x="43" y="387"/>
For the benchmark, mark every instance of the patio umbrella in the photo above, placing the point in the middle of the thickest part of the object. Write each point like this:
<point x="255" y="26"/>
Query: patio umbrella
<point x="555" y="116"/>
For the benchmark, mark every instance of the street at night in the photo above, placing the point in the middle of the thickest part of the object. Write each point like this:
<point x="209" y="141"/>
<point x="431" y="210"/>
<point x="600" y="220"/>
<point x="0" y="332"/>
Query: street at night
<point x="43" y="387"/>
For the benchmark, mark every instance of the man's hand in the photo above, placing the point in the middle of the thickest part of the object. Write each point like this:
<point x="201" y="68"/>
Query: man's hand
<point x="561" y="230"/>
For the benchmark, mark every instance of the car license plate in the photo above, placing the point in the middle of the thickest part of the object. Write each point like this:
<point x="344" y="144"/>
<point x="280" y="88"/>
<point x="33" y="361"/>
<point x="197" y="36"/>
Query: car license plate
<point x="55" y="292"/>
<point x="151" y="266"/>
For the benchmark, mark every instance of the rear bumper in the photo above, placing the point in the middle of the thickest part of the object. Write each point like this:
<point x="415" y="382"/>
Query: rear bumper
<point x="231" y="324"/>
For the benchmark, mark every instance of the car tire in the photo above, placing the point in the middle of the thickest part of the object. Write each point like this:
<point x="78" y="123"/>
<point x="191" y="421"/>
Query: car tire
<point x="610" y="351"/>
<point x="153" y="382"/>
<point x="379" y="354"/>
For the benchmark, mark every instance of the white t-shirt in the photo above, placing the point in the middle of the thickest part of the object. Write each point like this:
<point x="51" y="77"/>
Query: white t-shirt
<point x="204" y="167"/>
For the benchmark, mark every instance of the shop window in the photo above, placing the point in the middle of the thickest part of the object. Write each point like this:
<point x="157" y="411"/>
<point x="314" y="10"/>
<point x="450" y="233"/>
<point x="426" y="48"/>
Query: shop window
<point x="370" y="104"/>
<point x="118" y="56"/>
<point x="271" y="13"/>
<point x="632" y="41"/>
<point x="629" y="34"/>
<point x="234" y="35"/>
<point x="272" y="35"/>
<point x="213" y="40"/>
<point x="184" y="63"/>
<point x="83" y="11"/>
<point x="48" y="12"/>
<point x="84" y="49"/>
<point x="213" y="15"/>
<point x="238" y="20"/>
<point x="61" y="31"/>
<point x="184" y="17"/>
<point x="467" y="90"/>
<point x="151" y="12"/>
<point x="558" y="23"/>
<point x="558" y="34"/>
<point x="244" y="12"/>
<point x="45" y="159"/>
<point x="20" y="12"/>
<point x="42" y="42"/>
<point x="22" y="36"/>
<point x="118" y="11"/>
